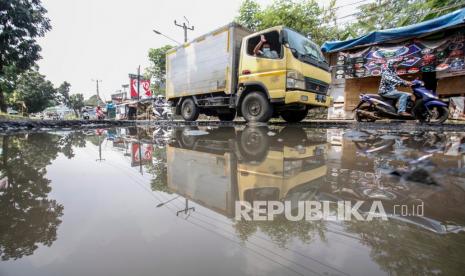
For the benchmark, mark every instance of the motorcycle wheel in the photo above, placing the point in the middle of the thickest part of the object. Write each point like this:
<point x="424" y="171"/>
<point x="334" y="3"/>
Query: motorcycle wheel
<point x="439" y="115"/>
<point x="361" y="118"/>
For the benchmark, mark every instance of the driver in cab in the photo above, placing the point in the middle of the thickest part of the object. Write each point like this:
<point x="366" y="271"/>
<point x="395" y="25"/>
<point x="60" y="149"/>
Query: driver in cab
<point x="262" y="49"/>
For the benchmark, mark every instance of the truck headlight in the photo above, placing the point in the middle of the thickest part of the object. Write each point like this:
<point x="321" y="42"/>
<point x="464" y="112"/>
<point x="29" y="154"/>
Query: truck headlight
<point x="295" y="80"/>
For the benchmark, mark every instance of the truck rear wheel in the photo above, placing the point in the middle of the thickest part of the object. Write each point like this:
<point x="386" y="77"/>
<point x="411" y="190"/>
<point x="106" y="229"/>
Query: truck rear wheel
<point x="189" y="110"/>
<point x="294" y="116"/>
<point x="256" y="107"/>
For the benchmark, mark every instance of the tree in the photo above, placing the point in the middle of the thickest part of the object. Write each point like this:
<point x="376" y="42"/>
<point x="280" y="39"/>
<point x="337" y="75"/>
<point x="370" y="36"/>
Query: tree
<point x="63" y="93"/>
<point x="394" y="14"/>
<point x="304" y="16"/>
<point x="21" y="22"/>
<point x="397" y="14"/>
<point x="76" y="103"/>
<point x="157" y="69"/>
<point x="435" y="8"/>
<point x="249" y="15"/>
<point x="35" y="91"/>
<point x="28" y="218"/>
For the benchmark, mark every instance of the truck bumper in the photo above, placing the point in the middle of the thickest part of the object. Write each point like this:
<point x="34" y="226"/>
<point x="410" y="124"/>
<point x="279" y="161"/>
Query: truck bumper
<point x="307" y="98"/>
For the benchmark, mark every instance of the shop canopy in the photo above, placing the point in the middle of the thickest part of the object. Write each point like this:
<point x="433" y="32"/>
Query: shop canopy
<point x="449" y="20"/>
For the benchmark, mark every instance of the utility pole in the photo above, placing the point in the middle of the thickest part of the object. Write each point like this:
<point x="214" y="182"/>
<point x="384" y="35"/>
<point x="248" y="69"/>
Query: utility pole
<point x="99" y="150"/>
<point x="97" y="90"/>
<point x="186" y="208"/>
<point x="138" y="83"/>
<point x="185" y="27"/>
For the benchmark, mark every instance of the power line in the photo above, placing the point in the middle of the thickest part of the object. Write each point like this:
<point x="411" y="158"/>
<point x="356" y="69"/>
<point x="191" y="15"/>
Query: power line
<point x="347" y="5"/>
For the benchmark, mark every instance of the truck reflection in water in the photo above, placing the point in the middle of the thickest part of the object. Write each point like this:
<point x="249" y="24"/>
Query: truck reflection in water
<point x="215" y="167"/>
<point x="228" y="165"/>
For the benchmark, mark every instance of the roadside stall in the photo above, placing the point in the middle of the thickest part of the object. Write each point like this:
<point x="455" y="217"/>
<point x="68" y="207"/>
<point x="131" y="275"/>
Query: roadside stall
<point x="144" y="109"/>
<point x="126" y="110"/>
<point x="432" y="51"/>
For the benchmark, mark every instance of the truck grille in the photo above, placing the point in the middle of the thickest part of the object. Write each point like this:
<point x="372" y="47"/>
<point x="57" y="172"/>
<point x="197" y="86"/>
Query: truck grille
<point x="316" y="86"/>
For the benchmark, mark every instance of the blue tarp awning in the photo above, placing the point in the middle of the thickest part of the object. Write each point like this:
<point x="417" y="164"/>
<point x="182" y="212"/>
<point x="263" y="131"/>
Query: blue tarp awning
<point x="446" y="21"/>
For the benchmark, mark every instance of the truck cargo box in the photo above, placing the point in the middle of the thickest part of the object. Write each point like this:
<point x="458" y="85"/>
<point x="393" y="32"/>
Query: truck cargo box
<point x="205" y="65"/>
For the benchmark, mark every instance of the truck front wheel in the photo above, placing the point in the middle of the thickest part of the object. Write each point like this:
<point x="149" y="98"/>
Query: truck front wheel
<point x="294" y="116"/>
<point x="189" y="110"/>
<point x="256" y="107"/>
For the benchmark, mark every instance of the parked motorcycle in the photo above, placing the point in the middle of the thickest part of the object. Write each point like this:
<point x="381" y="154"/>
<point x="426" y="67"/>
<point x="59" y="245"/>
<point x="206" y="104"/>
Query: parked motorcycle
<point x="85" y="115"/>
<point x="426" y="107"/>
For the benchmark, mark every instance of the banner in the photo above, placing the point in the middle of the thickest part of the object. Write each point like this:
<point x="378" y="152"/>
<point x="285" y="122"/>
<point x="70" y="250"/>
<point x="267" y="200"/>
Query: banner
<point x="141" y="154"/>
<point x="144" y="87"/>
<point x="445" y="56"/>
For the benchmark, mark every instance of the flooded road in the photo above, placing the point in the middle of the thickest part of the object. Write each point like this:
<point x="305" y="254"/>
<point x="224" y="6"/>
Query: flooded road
<point x="162" y="201"/>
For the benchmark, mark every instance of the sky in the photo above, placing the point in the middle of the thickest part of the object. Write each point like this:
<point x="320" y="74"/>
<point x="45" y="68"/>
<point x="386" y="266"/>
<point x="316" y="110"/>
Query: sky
<point x="108" y="39"/>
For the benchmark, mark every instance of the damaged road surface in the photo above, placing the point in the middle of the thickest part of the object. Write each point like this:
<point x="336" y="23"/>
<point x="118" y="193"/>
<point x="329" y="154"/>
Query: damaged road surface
<point x="164" y="200"/>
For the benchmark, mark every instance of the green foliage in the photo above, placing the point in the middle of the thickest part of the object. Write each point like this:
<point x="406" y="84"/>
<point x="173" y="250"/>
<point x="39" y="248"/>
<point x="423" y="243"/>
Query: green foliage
<point x="63" y="93"/>
<point x="304" y="16"/>
<point x="308" y="18"/>
<point x="397" y="13"/>
<point x="76" y="103"/>
<point x="29" y="218"/>
<point x="157" y="70"/>
<point x="93" y="101"/>
<point x="35" y="91"/>
<point x="435" y="8"/>
<point x="21" y="23"/>
<point x="8" y="80"/>
<point x="394" y="13"/>
<point x="250" y="15"/>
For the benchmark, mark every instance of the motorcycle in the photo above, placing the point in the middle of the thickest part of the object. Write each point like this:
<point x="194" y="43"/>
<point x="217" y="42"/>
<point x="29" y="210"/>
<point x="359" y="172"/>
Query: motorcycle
<point x="163" y="112"/>
<point x="85" y="115"/>
<point x="425" y="107"/>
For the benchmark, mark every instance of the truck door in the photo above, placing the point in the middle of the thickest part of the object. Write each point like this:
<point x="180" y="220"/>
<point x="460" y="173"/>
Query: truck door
<point x="267" y="70"/>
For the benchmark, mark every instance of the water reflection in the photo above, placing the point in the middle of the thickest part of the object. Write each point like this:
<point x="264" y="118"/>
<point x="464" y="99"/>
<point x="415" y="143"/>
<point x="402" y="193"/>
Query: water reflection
<point x="28" y="217"/>
<point x="198" y="173"/>
<point x="215" y="167"/>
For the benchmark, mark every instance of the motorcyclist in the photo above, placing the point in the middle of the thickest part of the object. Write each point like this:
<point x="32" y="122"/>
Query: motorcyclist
<point x="387" y="87"/>
<point x="99" y="113"/>
<point x="159" y="101"/>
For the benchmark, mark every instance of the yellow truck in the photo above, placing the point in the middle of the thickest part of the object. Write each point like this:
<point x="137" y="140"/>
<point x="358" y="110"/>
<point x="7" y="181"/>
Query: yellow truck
<point x="224" y="73"/>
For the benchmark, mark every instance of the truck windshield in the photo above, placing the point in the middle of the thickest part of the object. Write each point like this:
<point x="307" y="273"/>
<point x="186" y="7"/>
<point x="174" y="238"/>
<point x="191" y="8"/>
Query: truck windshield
<point x="304" y="46"/>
